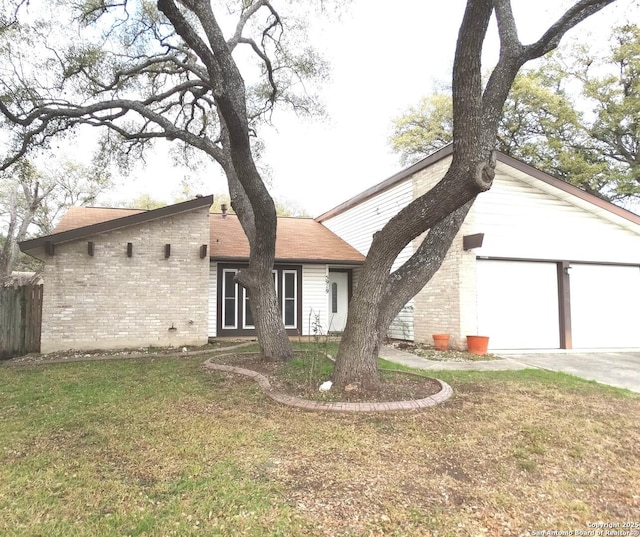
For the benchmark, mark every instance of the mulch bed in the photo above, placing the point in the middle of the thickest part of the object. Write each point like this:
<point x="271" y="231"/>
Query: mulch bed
<point x="393" y="386"/>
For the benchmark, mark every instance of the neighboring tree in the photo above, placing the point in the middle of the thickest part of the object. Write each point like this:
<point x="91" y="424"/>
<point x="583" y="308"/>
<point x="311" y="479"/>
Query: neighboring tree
<point x="146" y="202"/>
<point x="284" y="207"/>
<point x="616" y="100"/>
<point x="424" y="128"/>
<point x="21" y="196"/>
<point x="542" y="124"/>
<point x="168" y="71"/>
<point x="32" y="198"/>
<point x="194" y="82"/>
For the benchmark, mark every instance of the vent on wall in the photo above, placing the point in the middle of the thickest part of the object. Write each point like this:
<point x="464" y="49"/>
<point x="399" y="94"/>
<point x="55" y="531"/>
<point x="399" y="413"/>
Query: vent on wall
<point x="203" y="251"/>
<point x="129" y="249"/>
<point x="90" y="248"/>
<point x="472" y="241"/>
<point x="167" y="250"/>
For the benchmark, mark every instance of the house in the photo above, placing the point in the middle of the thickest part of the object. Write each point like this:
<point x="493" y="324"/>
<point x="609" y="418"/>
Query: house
<point x="557" y="268"/>
<point x="117" y="278"/>
<point x="538" y="264"/>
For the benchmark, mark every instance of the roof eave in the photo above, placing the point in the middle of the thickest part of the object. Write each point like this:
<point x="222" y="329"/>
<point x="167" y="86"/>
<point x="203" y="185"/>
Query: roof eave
<point x="502" y="157"/>
<point x="438" y="155"/>
<point x="290" y="261"/>
<point x="117" y="223"/>
<point x="568" y="188"/>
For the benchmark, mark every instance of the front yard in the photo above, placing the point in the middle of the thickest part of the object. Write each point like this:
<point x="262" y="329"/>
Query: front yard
<point x="157" y="446"/>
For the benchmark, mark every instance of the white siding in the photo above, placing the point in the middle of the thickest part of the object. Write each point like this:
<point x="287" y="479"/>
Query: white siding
<point x="357" y="226"/>
<point x="402" y="325"/>
<point x="522" y="221"/>
<point x="314" y="297"/>
<point x="213" y="299"/>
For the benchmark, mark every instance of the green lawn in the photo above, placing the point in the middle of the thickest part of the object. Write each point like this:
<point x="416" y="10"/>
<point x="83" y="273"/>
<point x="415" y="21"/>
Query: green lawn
<point x="158" y="446"/>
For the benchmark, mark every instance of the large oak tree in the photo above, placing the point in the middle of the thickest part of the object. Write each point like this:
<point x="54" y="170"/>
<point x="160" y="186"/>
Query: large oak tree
<point x="167" y="71"/>
<point x="477" y="110"/>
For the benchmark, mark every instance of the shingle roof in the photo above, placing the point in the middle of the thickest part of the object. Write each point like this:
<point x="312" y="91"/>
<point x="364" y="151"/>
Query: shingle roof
<point x="298" y="239"/>
<point x="92" y="220"/>
<point x="77" y="217"/>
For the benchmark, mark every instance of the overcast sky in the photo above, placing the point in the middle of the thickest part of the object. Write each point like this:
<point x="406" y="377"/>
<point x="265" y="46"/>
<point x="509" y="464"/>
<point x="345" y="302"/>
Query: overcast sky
<point x="383" y="59"/>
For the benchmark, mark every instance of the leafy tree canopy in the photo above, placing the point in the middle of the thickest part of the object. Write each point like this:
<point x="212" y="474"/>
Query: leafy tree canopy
<point x="575" y="116"/>
<point x="34" y="195"/>
<point x="284" y="207"/>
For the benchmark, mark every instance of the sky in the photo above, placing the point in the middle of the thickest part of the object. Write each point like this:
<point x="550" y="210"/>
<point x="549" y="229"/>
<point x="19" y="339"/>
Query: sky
<point x="382" y="59"/>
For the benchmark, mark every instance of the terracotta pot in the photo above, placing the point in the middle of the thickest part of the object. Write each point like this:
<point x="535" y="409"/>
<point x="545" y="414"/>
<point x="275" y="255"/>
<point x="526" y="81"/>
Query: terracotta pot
<point x="478" y="344"/>
<point x="441" y="341"/>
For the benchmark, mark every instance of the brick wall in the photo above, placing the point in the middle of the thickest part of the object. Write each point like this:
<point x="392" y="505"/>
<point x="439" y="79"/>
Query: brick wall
<point x="447" y="305"/>
<point x="109" y="300"/>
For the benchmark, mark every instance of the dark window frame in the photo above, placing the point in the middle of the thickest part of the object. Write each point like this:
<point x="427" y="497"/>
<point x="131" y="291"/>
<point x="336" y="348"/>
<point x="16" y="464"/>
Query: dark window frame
<point x="241" y="300"/>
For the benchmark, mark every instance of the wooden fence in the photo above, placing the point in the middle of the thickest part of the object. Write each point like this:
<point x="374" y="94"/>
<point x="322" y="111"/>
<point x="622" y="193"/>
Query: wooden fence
<point x="20" y="320"/>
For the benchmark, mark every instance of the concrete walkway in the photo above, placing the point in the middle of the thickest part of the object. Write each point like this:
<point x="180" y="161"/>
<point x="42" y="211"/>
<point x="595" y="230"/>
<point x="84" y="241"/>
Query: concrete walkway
<point x="612" y="367"/>
<point x="411" y="360"/>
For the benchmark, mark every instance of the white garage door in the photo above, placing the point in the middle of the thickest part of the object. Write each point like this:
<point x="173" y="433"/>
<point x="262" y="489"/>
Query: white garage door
<point x="605" y="306"/>
<point x="518" y="304"/>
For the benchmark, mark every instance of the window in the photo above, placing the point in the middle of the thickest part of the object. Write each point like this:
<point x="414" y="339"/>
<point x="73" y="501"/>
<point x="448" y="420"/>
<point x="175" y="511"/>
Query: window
<point x="289" y="298"/>
<point x="334" y="297"/>
<point x="234" y="315"/>
<point x="247" y="316"/>
<point x="229" y="299"/>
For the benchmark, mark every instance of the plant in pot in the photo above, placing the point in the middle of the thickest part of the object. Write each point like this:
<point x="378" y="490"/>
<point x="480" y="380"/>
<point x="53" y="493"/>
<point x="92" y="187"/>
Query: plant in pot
<point x="478" y="344"/>
<point x="441" y="342"/>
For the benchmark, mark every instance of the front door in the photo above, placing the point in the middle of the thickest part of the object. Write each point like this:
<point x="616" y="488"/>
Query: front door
<point x="338" y="300"/>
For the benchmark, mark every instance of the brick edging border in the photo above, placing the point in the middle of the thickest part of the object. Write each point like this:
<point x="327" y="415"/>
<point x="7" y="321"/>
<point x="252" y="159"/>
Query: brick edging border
<point x="443" y="395"/>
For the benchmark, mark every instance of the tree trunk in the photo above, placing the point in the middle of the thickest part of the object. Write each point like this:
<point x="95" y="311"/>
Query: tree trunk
<point x="267" y="316"/>
<point x="364" y="331"/>
<point x="251" y="199"/>
<point x="357" y="360"/>
<point x="412" y="277"/>
<point x="361" y="346"/>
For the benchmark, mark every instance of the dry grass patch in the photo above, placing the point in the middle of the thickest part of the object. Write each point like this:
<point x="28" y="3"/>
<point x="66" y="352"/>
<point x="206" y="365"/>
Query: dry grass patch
<point x="161" y="447"/>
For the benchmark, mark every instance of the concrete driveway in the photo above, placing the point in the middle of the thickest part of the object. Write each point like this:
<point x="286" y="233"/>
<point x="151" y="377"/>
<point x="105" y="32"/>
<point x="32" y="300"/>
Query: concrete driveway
<point x="616" y="368"/>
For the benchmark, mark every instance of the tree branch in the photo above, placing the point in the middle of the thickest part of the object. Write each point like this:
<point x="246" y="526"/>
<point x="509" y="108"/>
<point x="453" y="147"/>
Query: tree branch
<point x="572" y="17"/>
<point x="418" y="270"/>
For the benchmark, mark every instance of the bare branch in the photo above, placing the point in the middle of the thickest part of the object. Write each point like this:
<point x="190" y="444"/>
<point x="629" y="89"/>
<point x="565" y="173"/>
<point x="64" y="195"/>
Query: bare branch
<point x="268" y="66"/>
<point x="572" y="17"/>
<point x="247" y="13"/>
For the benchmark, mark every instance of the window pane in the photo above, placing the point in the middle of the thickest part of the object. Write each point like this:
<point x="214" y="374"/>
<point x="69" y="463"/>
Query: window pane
<point x="289" y="298"/>
<point x="289" y="312"/>
<point x="229" y="284"/>
<point x="289" y="284"/>
<point x="230" y="312"/>
<point x="334" y="297"/>
<point x="229" y="296"/>
<point x="248" y="315"/>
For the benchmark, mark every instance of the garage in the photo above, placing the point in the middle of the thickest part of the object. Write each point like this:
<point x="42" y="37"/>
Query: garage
<point x="518" y="304"/>
<point x="605" y="305"/>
